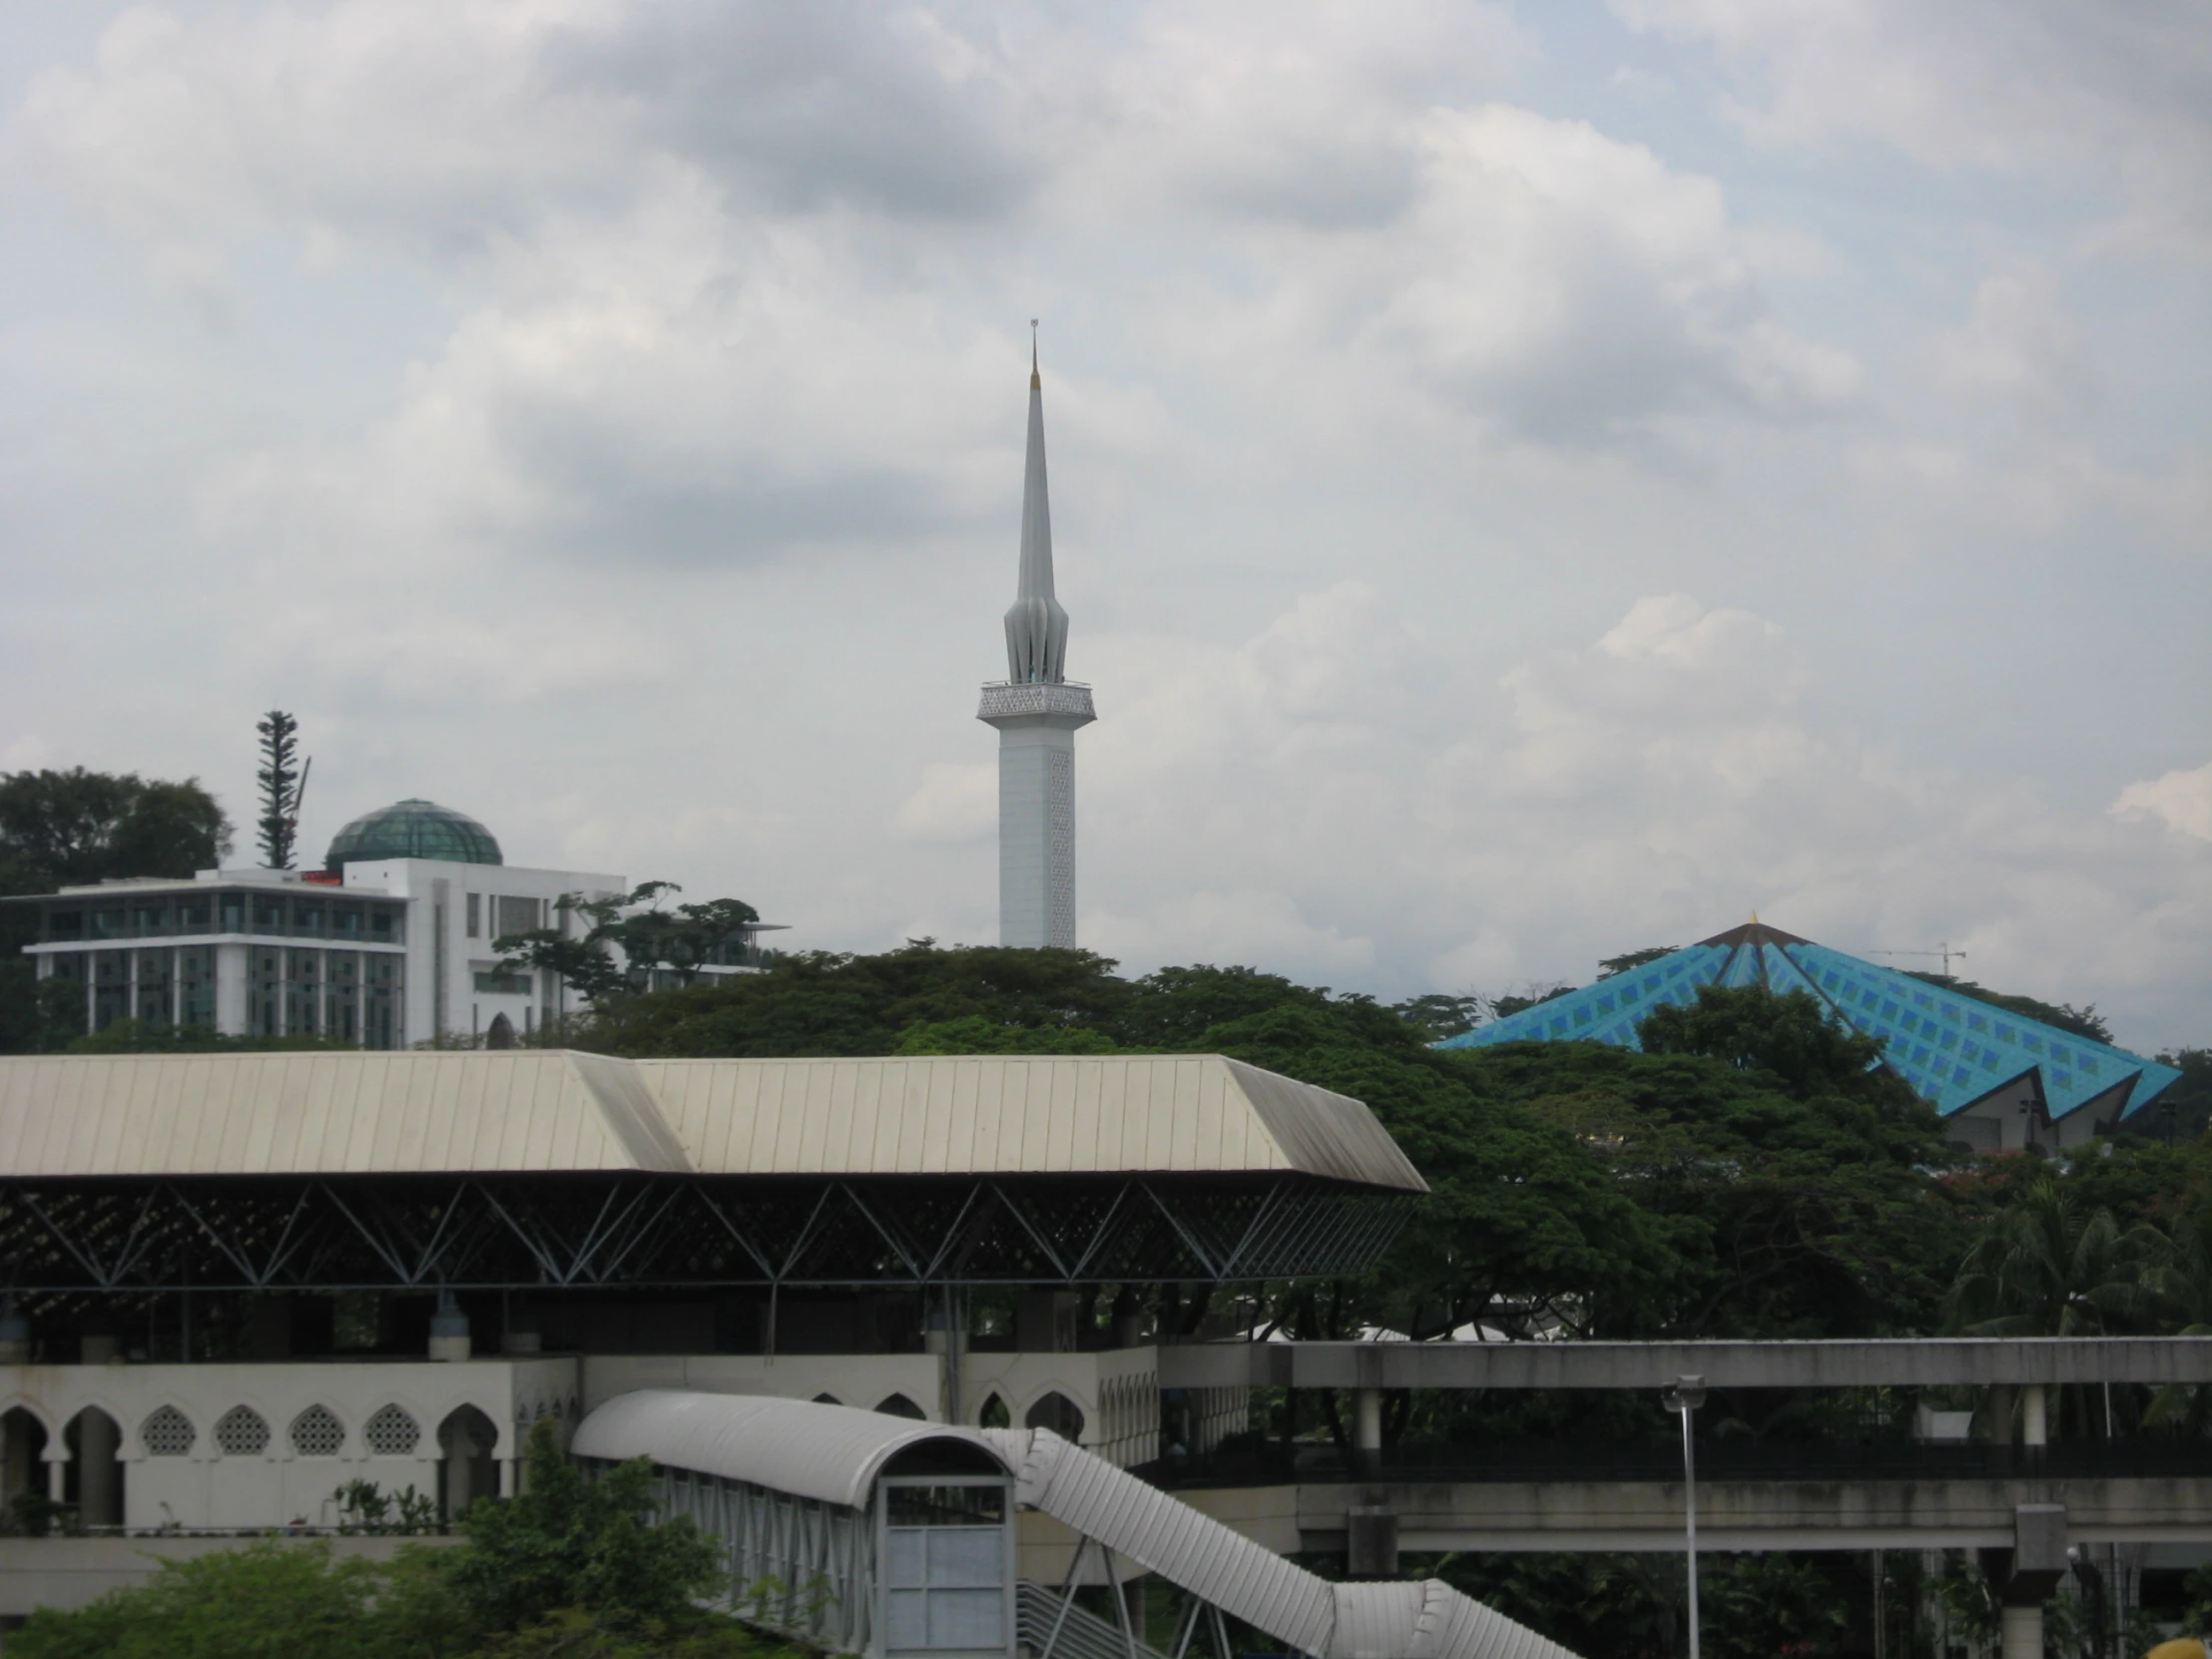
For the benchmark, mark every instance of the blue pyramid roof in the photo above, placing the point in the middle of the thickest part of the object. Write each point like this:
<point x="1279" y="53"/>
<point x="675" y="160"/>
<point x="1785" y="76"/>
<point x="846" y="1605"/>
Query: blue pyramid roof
<point x="1951" y="1048"/>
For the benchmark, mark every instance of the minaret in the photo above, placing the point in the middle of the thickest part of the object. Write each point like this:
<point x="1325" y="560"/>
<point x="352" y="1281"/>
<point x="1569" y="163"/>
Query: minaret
<point x="1036" y="710"/>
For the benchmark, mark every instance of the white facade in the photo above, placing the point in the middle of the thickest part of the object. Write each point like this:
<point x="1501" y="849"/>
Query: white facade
<point x="391" y="954"/>
<point x="1036" y="808"/>
<point x="455" y="910"/>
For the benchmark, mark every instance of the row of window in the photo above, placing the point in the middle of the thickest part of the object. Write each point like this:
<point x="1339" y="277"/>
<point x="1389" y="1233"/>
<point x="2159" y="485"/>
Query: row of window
<point x="280" y="915"/>
<point x="241" y="1431"/>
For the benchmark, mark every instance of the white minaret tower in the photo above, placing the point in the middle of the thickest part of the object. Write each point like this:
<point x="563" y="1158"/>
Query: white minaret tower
<point x="1036" y="710"/>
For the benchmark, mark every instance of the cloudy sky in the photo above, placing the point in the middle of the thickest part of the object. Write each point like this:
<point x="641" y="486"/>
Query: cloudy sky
<point x="1529" y="481"/>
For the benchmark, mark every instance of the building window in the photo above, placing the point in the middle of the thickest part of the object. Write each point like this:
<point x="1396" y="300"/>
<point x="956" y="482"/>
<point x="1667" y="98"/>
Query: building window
<point x="234" y="912"/>
<point x="64" y="925"/>
<point x="306" y="920"/>
<point x="503" y="984"/>
<point x="110" y="925"/>
<point x="475" y="915"/>
<point x="515" y="915"/>
<point x="241" y="1432"/>
<point x="316" y="1432"/>
<point x="194" y="915"/>
<point x="391" y="1432"/>
<point x="167" y="1433"/>
<point x="268" y="915"/>
<point x="345" y="922"/>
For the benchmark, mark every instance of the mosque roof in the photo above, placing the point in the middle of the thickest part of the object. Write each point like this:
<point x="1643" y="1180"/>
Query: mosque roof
<point x="413" y="830"/>
<point x="1954" y="1049"/>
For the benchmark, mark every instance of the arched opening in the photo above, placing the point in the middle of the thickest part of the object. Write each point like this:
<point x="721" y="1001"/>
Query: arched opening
<point x="1060" y="1415"/>
<point x="500" y="1033"/>
<point x="898" y="1406"/>
<point x="95" y="1478"/>
<point x="467" y="1440"/>
<point x="827" y="1399"/>
<point x="994" y="1413"/>
<point x="22" y="1456"/>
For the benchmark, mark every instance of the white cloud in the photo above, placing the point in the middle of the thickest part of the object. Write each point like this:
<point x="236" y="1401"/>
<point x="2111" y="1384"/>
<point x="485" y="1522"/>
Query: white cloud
<point x="2180" y="800"/>
<point x="950" y="804"/>
<point x="1499" y="539"/>
<point x="2118" y="98"/>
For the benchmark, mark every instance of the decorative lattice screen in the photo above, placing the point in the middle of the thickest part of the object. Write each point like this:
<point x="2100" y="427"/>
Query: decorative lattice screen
<point x="391" y="1432"/>
<point x="241" y="1432"/>
<point x="168" y="1432"/>
<point x="316" y="1432"/>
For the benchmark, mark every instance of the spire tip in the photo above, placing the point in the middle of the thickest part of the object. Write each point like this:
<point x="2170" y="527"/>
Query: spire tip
<point x="1036" y="381"/>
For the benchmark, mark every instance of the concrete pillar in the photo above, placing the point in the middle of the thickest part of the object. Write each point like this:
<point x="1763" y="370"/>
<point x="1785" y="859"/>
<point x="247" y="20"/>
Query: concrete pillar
<point x="2035" y="1427"/>
<point x="507" y="1477"/>
<point x="2022" y="1629"/>
<point x="57" y="1475"/>
<point x="1367" y="1434"/>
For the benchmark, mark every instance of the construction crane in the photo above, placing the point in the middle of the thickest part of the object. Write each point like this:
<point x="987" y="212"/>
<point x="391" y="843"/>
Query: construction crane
<point x="1945" y="952"/>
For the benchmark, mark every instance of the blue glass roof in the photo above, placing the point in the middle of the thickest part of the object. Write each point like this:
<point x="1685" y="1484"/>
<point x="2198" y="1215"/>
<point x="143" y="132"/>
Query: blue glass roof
<point x="1951" y="1048"/>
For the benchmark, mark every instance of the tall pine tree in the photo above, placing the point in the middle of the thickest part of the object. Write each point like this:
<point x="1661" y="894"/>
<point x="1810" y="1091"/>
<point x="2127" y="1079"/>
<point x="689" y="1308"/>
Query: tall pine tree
<point x="279" y="778"/>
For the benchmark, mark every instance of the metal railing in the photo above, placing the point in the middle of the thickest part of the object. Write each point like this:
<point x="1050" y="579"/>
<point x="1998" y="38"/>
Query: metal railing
<point x="1049" y="1626"/>
<point x="1721" y="1459"/>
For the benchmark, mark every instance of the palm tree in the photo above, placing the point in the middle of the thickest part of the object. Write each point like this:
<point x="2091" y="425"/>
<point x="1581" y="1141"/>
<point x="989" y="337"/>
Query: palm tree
<point x="2049" y="1266"/>
<point x="2179" y="1285"/>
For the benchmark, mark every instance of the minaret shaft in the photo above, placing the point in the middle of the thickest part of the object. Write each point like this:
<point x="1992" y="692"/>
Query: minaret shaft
<point x="1037" y="713"/>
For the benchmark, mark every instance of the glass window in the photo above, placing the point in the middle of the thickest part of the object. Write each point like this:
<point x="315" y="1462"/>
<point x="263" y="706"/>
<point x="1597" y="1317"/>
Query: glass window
<point x="110" y="925"/>
<point x="345" y="922"/>
<point x="152" y="917"/>
<point x="475" y="915"/>
<point x="234" y="912"/>
<point x="194" y="915"/>
<point x="515" y="915"/>
<point x="503" y="984"/>
<point x="268" y="915"/>
<point x="64" y="925"/>
<point x="69" y="964"/>
<point x="306" y="919"/>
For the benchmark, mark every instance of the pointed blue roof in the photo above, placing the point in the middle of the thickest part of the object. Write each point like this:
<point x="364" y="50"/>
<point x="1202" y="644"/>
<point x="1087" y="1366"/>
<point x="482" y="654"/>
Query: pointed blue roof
<point x="1953" y="1049"/>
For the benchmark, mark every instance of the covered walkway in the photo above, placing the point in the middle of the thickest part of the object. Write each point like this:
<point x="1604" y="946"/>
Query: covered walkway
<point x="878" y="1535"/>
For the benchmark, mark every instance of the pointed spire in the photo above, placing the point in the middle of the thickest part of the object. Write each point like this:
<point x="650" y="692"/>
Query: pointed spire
<point x="1036" y="627"/>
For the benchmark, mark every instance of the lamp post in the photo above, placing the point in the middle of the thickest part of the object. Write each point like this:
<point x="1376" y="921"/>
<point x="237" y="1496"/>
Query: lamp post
<point x="1685" y="1396"/>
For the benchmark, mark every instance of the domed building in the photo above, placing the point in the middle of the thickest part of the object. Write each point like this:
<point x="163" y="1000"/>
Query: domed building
<point x="413" y="828"/>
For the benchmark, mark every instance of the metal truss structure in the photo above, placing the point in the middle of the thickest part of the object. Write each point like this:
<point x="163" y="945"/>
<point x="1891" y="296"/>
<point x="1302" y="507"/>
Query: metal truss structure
<point x="519" y="1231"/>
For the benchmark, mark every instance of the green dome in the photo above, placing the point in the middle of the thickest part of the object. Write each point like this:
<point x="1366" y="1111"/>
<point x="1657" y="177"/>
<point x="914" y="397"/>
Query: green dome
<point x="413" y="830"/>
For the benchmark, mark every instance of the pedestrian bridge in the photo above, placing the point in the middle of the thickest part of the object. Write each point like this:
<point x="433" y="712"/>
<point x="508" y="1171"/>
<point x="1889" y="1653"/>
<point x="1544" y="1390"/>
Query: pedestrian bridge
<point x="873" y="1534"/>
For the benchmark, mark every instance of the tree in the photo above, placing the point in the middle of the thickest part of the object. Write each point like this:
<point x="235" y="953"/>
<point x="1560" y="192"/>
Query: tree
<point x="628" y="939"/>
<point x="75" y="828"/>
<point x="1790" y="1037"/>
<point x="1437" y="1017"/>
<point x="1610" y="965"/>
<point x="565" y="1542"/>
<point x="281" y="780"/>
<point x="2048" y="1265"/>
<point x="268" y="1600"/>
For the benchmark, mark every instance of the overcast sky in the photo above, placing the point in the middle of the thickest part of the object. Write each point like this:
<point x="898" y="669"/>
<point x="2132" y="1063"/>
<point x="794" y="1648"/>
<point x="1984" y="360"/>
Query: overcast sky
<point x="1528" y="482"/>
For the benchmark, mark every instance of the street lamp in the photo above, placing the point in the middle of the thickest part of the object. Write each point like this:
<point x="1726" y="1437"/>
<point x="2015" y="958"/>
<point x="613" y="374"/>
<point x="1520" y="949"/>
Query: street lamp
<point x="1684" y="1396"/>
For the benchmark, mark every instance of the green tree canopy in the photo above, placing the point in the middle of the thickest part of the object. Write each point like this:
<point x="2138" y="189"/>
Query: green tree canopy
<point x="67" y="829"/>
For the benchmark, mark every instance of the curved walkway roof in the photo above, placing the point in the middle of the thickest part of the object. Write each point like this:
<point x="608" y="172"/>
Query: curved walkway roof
<point x="835" y="1452"/>
<point x="1951" y="1048"/>
<point x="829" y="1453"/>
<point x="559" y="1111"/>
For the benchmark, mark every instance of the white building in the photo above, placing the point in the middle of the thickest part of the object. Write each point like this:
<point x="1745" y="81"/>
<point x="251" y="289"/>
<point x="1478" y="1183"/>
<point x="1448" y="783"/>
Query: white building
<point x="389" y="944"/>
<point x="1037" y="711"/>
